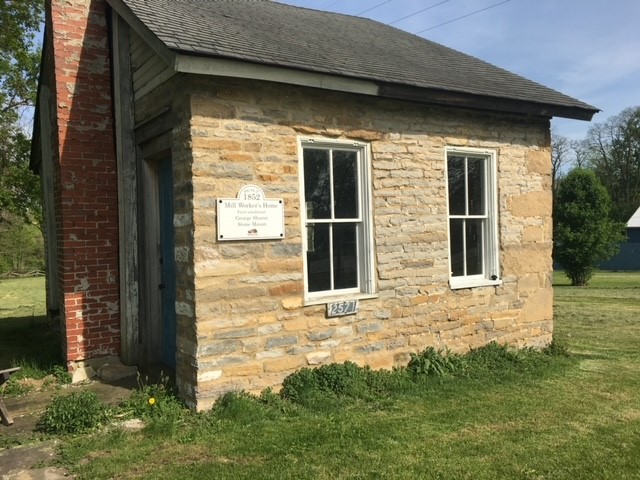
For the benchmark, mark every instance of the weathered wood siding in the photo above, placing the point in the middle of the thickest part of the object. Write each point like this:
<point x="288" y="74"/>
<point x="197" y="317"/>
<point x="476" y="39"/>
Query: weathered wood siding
<point x="148" y="69"/>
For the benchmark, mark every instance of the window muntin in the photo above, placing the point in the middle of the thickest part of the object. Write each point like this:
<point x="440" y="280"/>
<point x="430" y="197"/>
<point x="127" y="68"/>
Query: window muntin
<point x="472" y="208"/>
<point x="336" y="219"/>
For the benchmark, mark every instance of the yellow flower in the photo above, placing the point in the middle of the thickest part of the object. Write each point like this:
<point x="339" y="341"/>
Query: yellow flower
<point x="152" y="401"/>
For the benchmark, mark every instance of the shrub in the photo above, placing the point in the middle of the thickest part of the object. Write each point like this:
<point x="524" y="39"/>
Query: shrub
<point x="336" y="379"/>
<point x="274" y="401"/>
<point x="76" y="413"/>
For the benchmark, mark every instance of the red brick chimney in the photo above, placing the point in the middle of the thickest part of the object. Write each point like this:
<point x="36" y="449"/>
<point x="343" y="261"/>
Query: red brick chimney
<point x="85" y="179"/>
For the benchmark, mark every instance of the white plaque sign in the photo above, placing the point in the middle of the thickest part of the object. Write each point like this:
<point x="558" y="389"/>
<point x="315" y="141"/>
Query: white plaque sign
<point x="250" y="216"/>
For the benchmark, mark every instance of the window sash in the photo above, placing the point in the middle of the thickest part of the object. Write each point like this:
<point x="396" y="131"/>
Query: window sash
<point x="472" y="261"/>
<point x="348" y="273"/>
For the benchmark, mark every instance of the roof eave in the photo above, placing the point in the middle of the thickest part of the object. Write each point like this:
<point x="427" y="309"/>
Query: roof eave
<point x="485" y="102"/>
<point x="225" y="67"/>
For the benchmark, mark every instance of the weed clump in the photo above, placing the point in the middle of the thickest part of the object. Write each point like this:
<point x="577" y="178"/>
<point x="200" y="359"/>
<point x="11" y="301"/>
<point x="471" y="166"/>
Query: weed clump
<point x="432" y="362"/>
<point x="347" y="380"/>
<point x="557" y="348"/>
<point x="153" y="400"/>
<point x="79" y="412"/>
<point x="336" y="379"/>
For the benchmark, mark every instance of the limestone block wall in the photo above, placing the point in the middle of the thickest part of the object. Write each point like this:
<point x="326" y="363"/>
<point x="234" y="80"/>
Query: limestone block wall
<point x="249" y="323"/>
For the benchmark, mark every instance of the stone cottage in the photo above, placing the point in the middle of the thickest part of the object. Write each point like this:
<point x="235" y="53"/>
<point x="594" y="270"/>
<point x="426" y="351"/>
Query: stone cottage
<point x="238" y="189"/>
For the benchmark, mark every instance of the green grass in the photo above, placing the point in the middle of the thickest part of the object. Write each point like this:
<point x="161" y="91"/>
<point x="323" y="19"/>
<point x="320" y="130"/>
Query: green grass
<point x="543" y="418"/>
<point x="22" y="297"/>
<point x="602" y="279"/>
<point x="26" y="340"/>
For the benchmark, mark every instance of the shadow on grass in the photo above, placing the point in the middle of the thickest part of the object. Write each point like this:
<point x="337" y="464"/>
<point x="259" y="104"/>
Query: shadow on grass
<point x="29" y="342"/>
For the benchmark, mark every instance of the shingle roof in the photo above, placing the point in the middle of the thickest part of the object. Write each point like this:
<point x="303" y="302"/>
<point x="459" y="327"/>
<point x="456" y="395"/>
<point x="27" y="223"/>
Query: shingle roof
<point x="269" y="33"/>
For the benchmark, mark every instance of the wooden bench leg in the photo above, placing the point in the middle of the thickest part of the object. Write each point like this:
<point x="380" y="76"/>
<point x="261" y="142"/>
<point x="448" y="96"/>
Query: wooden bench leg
<point x="4" y="413"/>
<point x="4" y="377"/>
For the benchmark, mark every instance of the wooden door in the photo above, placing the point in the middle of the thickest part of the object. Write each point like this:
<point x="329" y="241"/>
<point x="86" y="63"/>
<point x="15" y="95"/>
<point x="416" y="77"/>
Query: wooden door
<point x="157" y="278"/>
<point x="166" y="259"/>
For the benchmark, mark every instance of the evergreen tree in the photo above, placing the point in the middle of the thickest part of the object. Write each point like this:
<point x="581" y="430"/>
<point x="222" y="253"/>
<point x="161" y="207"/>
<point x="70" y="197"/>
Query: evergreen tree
<point x="585" y="233"/>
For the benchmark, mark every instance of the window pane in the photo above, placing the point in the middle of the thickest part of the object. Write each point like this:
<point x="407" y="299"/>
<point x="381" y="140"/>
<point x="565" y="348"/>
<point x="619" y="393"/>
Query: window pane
<point x="317" y="194"/>
<point x="455" y="172"/>
<point x="345" y="256"/>
<point x="345" y="189"/>
<point x="474" y="246"/>
<point x="476" y="185"/>
<point x="318" y="258"/>
<point x="456" y="239"/>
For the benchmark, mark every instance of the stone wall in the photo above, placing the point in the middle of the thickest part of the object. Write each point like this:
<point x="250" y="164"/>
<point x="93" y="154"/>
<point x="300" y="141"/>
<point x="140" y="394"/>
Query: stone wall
<point x="246" y="309"/>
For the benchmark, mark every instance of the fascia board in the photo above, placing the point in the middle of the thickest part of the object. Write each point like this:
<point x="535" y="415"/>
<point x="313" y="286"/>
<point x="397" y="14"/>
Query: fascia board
<point x="241" y="69"/>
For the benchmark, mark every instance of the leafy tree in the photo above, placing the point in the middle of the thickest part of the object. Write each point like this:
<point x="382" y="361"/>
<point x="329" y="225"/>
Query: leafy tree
<point x="614" y="154"/>
<point x="20" y="190"/>
<point x="20" y="197"/>
<point x="19" y="58"/>
<point x="19" y="65"/>
<point x="585" y="234"/>
<point x="21" y="248"/>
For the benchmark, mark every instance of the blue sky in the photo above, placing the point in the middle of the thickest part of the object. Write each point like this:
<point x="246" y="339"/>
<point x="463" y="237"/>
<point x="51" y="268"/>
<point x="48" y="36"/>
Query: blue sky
<point x="588" y="49"/>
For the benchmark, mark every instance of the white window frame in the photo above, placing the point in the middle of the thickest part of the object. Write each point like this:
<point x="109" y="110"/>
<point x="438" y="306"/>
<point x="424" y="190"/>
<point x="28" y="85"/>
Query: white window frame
<point x="490" y="275"/>
<point x="365" y="251"/>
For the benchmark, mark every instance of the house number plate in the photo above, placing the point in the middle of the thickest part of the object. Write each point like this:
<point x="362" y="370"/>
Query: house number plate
<point x="338" y="309"/>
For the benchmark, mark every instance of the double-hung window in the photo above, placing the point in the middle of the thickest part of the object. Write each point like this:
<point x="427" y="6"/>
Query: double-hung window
<point x="473" y="218"/>
<point x="336" y="215"/>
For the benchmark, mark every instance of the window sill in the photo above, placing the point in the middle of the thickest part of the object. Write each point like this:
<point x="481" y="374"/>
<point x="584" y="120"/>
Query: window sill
<point x="338" y="298"/>
<point x="473" y="283"/>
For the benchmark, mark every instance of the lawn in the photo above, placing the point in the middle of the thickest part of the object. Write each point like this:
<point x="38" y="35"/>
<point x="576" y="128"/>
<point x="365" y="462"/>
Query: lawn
<point x="26" y="340"/>
<point x="556" y="418"/>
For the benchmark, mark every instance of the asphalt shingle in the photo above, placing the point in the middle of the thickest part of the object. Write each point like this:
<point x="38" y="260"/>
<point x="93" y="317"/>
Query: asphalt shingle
<point x="269" y="33"/>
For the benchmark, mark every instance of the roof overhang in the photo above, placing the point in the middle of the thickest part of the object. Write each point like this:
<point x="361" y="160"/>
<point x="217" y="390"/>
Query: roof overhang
<point x="186" y="63"/>
<point x="483" y="102"/>
<point x="191" y="63"/>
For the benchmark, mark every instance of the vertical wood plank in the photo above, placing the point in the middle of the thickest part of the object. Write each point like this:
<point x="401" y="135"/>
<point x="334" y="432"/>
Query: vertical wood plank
<point x="127" y="188"/>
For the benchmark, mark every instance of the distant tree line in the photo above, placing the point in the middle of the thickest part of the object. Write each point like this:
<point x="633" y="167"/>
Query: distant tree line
<point x="596" y="186"/>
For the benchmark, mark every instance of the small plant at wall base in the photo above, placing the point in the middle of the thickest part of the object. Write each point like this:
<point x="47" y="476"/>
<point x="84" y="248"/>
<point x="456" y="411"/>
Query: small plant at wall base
<point x="154" y="402"/>
<point x="584" y="232"/>
<point x="73" y="414"/>
<point x="337" y="379"/>
<point x="436" y="362"/>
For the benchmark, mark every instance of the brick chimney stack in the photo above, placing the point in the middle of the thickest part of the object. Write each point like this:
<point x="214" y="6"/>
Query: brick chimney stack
<point x="85" y="179"/>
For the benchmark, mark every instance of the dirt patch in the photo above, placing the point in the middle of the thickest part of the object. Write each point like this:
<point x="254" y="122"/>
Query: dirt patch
<point x="24" y="453"/>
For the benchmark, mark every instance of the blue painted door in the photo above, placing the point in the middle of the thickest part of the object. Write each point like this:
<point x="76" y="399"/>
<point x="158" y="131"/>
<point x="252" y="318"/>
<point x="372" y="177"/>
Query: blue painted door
<point x="167" y="263"/>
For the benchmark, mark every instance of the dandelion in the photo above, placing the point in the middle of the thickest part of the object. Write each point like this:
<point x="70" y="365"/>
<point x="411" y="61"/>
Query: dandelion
<point x="152" y="401"/>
